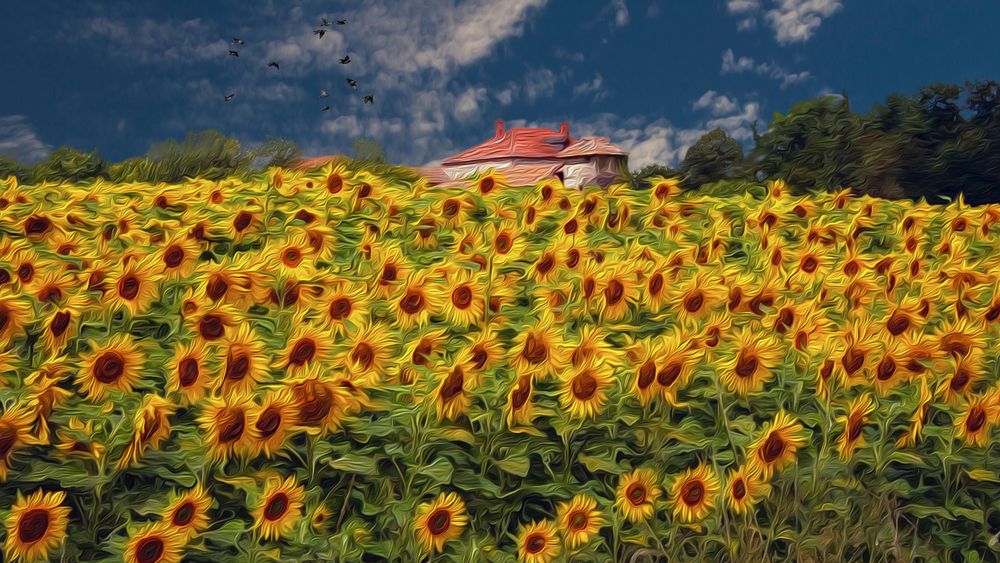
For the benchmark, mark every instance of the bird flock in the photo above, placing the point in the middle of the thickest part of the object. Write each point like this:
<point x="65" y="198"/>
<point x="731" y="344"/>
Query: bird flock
<point x="319" y="33"/>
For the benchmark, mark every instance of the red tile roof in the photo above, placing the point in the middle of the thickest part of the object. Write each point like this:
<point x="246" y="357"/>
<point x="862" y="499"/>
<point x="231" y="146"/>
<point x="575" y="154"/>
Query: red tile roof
<point x="518" y="142"/>
<point x="587" y="146"/>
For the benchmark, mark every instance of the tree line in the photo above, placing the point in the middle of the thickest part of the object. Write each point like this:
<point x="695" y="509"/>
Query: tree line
<point x="934" y="144"/>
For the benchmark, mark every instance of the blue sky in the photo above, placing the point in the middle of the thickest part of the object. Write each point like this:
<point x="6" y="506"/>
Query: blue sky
<point x="651" y="75"/>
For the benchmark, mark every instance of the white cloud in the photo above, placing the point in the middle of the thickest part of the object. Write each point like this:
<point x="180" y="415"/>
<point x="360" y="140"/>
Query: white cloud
<point x="593" y="87"/>
<point x="18" y="139"/>
<point x="653" y="11"/>
<point x="746" y="23"/>
<point x="731" y="64"/>
<point x="742" y="6"/>
<point x="147" y="40"/>
<point x="796" y="20"/>
<point x="467" y="103"/>
<point x="539" y="83"/>
<point x="717" y="103"/>
<point x="621" y="13"/>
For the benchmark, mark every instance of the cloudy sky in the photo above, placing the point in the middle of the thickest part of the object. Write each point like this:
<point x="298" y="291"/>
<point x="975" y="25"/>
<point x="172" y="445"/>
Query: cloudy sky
<point x="652" y="75"/>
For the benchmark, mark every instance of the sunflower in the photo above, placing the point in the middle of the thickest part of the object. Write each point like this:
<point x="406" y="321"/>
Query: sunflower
<point x="591" y="345"/>
<point x="414" y="301"/>
<point x="579" y="520"/>
<point x="319" y="404"/>
<point x="777" y="445"/>
<point x="115" y="365"/>
<point x="273" y="422"/>
<point x="14" y="316"/>
<point x="483" y="353"/>
<point x="584" y="391"/>
<point x="225" y="424"/>
<point x="889" y="371"/>
<point x="854" y="420"/>
<point x="391" y="268"/>
<point x="155" y="543"/>
<point x="187" y="512"/>
<point x="151" y="426"/>
<point x="133" y="287"/>
<point x="507" y="243"/>
<point x="749" y="363"/>
<point x="919" y="418"/>
<point x="967" y="370"/>
<point x="345" y="307"/>
<point x="854" y="353"/>
<point x="178" y="257"/>
<point x="289" y="256"/>
<point x="619" y="291"/>
<point x="279" y="508"/>
<point x="367" y="353"/>
<point x="637" y="493"/>
<point x="962" y="337"/>
<point x="306" y="346"/>
<point x="189" y="373"/>
<point x="694" y="493"/>
<point x="36" y="525"/>
<point x="644" y="355"/>
<point x="676" y="360"/>
<point x="744" y="489"/>
<point x="519" y="409"/>
<point x="538" y="542"/>
<point x="440" y="521"/>
<point x="539" y="349"/>
<point x="319" y="521"/>
<point x="977" y="419"/>
<point x="696" y="298"/>
<point x="451" y="396"/>
<point x="226" y="282"/>
<point x="61" y="322"/>
<point x="244" y="363"/>
<point x="214" y="323"/>
<point x="461" y="299"/>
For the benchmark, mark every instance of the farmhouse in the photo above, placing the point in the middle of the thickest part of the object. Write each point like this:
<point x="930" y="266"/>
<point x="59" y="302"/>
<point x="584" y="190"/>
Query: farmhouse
<point x="526" y="155"/>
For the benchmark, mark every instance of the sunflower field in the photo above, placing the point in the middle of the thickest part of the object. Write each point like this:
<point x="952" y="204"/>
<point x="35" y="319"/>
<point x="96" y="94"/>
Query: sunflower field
<point x="344" y="365"/>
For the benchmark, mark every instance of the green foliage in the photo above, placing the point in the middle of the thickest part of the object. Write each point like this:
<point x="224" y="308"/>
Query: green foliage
<point x="639" y="179"/>
<point x="67" y="164"/>
<point x="732" y="187"/>
<point x="368" y="151"/>
<point x="277" y="151"/>
<point x="715" y="156"/>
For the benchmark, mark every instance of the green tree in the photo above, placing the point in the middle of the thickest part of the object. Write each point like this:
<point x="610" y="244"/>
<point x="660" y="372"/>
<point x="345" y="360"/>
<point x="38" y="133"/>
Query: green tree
<point x="67" y="164"/>
<point x="715" y="156"/>
<point x="277" y="151"/>
<point x="368" y="150"/>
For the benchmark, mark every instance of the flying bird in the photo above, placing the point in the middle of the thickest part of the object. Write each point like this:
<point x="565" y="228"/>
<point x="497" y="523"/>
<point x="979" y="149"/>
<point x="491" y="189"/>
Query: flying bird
<point x="369" y="99"/>
<point x="324" y="94"/>
<point x="233" y="53"/>
<point x="345" y="60"/>
<point x="325" y="21"/>
<point x="274" y="64"/>
<point x="353" y="84"/>
<point x="325" y="108"/>
<point x="229" y="97"/>
<point x="341" y="22"/>
<point x="320" y="32"/>
<point x="237" y="41"/>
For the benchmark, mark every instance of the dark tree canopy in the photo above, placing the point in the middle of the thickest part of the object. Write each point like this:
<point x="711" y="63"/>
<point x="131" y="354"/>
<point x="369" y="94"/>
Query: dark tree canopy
<point x="715" y="156"/>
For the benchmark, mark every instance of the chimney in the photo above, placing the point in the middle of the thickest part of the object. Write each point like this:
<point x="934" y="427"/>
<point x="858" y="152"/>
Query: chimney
<point x="564" y="128"/>
<point x="499" y="130"/>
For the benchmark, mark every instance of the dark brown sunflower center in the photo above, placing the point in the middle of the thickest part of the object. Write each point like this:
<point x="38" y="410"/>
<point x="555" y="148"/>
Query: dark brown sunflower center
<point x="151" y="424"/>
<point x="291" y="257"/>
<point x="646" y="374"/>
<point x="774" y="446"/>
<point x="439" y="522"/>
<point x="693" y="492"/>
<point x="571" y="227"/>
<point x="479" y="357"/>
<point x="898" y="323"/>
<point x="364" y="190"/>
<point x="669" y="373"/>
<point x="109" y="367"/>
<point x="25" y="272"/>
<point x="315" y="403"/>
<point x="855" y="423"/>
<point x="451" y="208"/>
<point x="128" y="287"/>
<point x="58" y="326"/>
<point x="956" y="344"/>
<point x="50" y="293"/>
<point x="211" y="327"/>
<point x="578" y="520"/>
<point x="8" y="437"/>
<point x="174" y="256"/>
<point x="535" y="543"/>
<point x="886" y="369"/>
<point x="232" y="423"/>
<point x="534" y="351"/>
<point x="521" y="392"/>
<point x="739" y="489"/>
<point x="363" y="355"/>
<point x="149" y="550"/>
<point x="960" y="379"/>
<point x="655" y="284"/>
<point x="747" y="364"/>
<point x="276" y="506"/>
<point x="976" y="419"/>
<point x="184" y="514"/>
<point x="453" y="385"/>
<point x="694" y="301"/>
<point x="614" y="293"/>
<point x="217" y="287"/>
<point x="636" y="493"/>
<point x="545" y="264"/>
<point x="503" y="243"/>
<point x="242" y="221"/>
<point x="33" y="525"/>
<point x="237" y="366"/>
<point x="785" y="319"/>
<point x="303" y="352"/>
<point x="412" y="303"/>
<point x="268" y="421"/>
<point x="340" y="308"/>
<point x="334" y="183"/>
<point x="486" y="185"/>
<point x="188" y="372"/>
<point x="852" y="360"/>
<point x="584" y="386"/>
<point x="573" y="258"/>
<point x="462" y="297"/>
